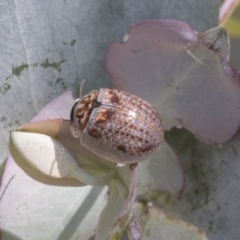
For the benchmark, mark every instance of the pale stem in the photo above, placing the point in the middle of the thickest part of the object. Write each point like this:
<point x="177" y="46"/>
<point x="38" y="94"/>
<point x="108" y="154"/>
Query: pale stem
<point x="84" y="177"/>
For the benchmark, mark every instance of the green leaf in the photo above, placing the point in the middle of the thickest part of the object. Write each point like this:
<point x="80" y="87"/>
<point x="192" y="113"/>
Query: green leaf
<point x="161" y="226"/>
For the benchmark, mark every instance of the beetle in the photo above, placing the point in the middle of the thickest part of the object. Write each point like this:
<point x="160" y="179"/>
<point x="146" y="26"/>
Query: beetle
<point x="117" y="126"/>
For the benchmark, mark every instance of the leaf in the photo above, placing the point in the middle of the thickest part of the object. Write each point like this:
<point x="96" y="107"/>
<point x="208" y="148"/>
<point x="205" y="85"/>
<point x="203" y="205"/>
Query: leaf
<point x="59" y="129"/>
<point x="32" y="210"/>
<point x="26" y="148"/>
<point x="52" y="109"/>
<point x="210" y="199"/>
<point x="162" y="172"/>
<point x="217" y="40"/>
<point x="52" y="158"/>
<point x="161" y="226"/>
<point x="165" y="63"/>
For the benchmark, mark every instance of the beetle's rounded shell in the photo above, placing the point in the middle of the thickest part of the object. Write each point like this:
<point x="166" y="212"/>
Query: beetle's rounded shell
<point x="120" y="127"/>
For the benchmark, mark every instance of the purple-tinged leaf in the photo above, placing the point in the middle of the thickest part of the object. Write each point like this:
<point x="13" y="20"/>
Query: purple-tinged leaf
<point x="191" y="85"/>
<point x="58" y="107"/>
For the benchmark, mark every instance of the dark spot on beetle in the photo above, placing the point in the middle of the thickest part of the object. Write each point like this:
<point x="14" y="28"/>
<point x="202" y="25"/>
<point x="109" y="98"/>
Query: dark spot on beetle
<point x="121" y="148"/>
<point x="94" y="133"/>
<point x="84" y="108"/>
<point x="109" y="114"/>
<point x="146" y="149"/>
<point x="100" y="121"/>
<point x="139" y="139"/>
<point x="131" y="126"/>
<point x="104" y="116"/>
<point x="114" y="98"/>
